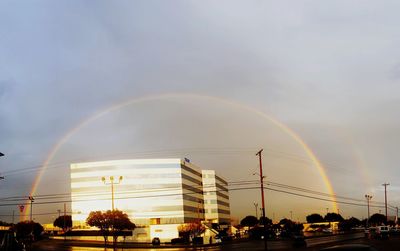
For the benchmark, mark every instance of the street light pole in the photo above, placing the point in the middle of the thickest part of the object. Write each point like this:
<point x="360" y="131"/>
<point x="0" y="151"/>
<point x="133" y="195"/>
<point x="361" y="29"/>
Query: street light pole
<point x="256" y="206"/>
<point x="385" y="185"/>
<point x="368" y="197"/>
<point x="1" y="177"/>
<point x="32" y="200"/>
<point x="262" y="199"/>
<point x="112" y="187"/>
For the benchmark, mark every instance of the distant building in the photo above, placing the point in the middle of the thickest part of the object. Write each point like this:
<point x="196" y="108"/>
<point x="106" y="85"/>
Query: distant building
<point x="157" y="194"/>
<point x="216" y="198"/>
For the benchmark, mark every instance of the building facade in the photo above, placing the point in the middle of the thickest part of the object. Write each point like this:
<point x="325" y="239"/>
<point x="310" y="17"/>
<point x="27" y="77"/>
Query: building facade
<point x="157" y="194"/>
<point x="150" y="191"/>
<point x="216" y="198"/>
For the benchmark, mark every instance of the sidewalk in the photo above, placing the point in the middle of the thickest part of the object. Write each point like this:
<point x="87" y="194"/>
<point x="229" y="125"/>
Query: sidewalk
<point x="86" y="243"/>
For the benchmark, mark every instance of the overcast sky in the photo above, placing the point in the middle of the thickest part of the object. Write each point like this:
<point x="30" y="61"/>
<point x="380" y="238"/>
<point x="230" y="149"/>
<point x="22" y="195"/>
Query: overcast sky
<point x="329" y="70"/>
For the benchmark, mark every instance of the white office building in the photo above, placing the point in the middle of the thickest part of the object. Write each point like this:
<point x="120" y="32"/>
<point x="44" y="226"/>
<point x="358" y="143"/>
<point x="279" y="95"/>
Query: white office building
<point x="159" y="194"/>
<point x="216" y="198"/>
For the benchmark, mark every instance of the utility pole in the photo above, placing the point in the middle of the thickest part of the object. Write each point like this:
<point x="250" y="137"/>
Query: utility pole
<point x="385" y="185"/>
<point x="256" y="206"/>
<point x="291" y="215"/>
<point x="262" y="199"/>
<point x="397" y="215"/>
<point x="112" y="187"/>
<point x="65" y="229"/>
<point x="32" y="200"/>
<point x="13" y="217"/>
<point x="59" y="213"/>
<point x="368" y="197"/>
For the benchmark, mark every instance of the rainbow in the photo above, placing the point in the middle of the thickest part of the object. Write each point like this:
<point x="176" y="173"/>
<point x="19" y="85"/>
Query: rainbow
<point x="101" y="113"/>
<point x="357" y="155"/>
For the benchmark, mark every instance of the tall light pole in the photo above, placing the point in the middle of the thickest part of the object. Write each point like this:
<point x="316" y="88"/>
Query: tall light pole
<point x="32" y="200"/>
<point x="111" y="178"/>
<point x="262" y="198"/>
<point x="256" y="207"/>
<point x="1" y="177"/>
<point x="385" y="185"/>
<point x="368" y="197"/>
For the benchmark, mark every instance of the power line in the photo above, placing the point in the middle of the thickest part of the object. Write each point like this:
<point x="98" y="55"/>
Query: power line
<point x="216" y="190"/>
<point x="233" y="183"/>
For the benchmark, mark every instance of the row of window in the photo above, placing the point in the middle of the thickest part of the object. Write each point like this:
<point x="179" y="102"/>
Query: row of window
<point x="215" y="211"/>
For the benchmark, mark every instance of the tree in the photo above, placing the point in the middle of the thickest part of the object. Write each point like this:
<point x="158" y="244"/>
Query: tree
<point x="314" y="218"/>
<point x="64" y="222"/>
<point x="347" y="225"/>
<point x="28" y="229"/>
<point x="265" y="220"/>
<point x="110" y="222"/>
<point x="354" y="221"/>
<point x="2" y="223"/>
<point x="249" y="221"/>
<point x="190" y="229"/>
<point x="98" y="219"/>
<point x="377" y="219"/>
<point x="119" y="222"/>
<point x="333" y="217"/>
<point x="290" y="226"/>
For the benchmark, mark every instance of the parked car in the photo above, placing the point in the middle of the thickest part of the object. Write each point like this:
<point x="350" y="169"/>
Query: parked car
<point x="179" y="240"/>
<point x="382" y="232"/>
<point x="394" y="230"/>
<point x="156" y="241"/>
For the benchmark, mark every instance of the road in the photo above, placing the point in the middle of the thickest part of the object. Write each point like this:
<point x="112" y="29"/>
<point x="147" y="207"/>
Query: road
<point x="314" y="245"/>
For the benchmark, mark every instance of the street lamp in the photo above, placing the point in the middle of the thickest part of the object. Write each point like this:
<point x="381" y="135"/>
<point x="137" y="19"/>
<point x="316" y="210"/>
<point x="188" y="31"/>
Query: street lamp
<point x="368" y="197"/>
<point x="1" y="155"/>
<point x="111" y="178"/>
<point x="256" y="206"/>
<point x="32" y="200"/>
<point x="385" y="185"/>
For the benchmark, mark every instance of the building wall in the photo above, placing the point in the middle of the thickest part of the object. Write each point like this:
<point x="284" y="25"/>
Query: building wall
<point x="152" y="191"/>
<point x="216" y="198"/>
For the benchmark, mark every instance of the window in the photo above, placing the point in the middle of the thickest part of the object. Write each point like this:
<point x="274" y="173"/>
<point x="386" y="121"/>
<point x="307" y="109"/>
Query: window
<point x="155" y="221"/>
